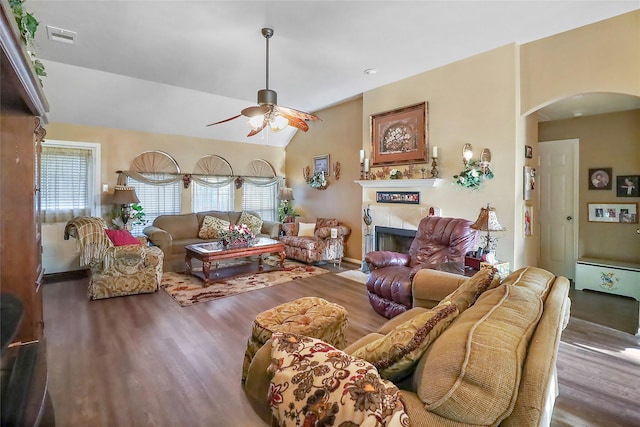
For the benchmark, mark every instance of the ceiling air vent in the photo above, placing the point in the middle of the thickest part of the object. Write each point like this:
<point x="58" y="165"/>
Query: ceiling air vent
<point x="61" y="35"/>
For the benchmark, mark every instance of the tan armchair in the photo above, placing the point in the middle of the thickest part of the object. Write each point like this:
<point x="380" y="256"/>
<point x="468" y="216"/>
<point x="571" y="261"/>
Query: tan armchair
<point x="318" y="245"/>
<point x="114" y="270"/>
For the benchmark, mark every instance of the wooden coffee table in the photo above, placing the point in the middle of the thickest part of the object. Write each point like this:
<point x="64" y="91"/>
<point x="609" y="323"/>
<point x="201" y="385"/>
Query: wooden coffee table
<point x="213" y="252"/>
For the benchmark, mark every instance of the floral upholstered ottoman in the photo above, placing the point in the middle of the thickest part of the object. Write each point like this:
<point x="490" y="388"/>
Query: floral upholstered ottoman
<point x="310" y="316"/>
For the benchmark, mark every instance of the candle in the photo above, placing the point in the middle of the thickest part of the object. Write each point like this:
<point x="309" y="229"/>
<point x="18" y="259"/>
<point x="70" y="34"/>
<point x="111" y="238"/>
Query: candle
<point x="435" y="152"/>
<point x="366" y="165"/>
<point x="361" y="156"/>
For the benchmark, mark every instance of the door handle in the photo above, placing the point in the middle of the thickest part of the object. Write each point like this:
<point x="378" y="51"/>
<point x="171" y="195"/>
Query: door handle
<point x="569" y="218"/>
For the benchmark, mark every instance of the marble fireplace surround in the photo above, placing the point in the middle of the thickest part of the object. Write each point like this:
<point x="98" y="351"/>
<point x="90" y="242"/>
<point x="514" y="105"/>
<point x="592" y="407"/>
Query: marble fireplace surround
<point x="394" y="215"/>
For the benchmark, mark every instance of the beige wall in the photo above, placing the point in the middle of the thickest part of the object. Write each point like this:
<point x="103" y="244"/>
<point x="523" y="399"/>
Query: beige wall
<point x="470" y="101"/>
<point x="119" y="147"/>
<point x="338" y="134"/>
<point x="602" y="57"/>
<point x="606" y="140"/>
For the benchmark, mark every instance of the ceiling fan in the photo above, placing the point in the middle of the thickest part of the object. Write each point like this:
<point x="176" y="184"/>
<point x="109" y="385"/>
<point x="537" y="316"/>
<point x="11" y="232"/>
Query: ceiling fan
<point x="268" y="112"/>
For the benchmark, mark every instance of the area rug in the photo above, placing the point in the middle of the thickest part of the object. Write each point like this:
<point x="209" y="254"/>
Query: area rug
<point x="189" y="290"/>
<point x="355" y="275"/>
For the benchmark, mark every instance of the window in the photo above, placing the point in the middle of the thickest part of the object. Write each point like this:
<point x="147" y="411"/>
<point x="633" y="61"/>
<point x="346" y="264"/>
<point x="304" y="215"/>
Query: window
<point x="261" y="198"/>
<point x="69" y="176"/>
<point x="156" y="200"/>
<point x="208" y="198"/>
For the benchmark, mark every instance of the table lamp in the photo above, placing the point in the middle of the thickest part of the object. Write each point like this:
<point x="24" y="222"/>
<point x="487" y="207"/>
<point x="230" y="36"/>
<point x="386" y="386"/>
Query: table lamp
<point x="125" y="195"/>
<point x="488" y="221"/>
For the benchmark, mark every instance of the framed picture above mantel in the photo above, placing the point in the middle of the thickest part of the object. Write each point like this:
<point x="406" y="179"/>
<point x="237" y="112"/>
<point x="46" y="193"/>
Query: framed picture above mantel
<point x="400" y="136"/>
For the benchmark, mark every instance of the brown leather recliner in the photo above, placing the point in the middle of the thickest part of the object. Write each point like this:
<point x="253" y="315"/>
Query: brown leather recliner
<point x="437" y="240"/>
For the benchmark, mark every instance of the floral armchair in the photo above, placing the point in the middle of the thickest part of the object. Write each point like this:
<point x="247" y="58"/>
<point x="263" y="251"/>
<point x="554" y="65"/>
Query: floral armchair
<point x="313" y="242"/>
<point x="127" y="269"/>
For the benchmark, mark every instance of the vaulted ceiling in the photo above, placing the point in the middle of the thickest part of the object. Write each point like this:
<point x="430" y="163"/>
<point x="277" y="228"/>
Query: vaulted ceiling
<point x="175" y="66"/>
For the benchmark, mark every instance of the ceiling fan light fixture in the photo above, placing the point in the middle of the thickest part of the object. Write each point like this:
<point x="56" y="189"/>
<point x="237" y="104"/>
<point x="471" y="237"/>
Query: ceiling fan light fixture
<point x="255" y="122"/>
<point x="278" y="123"/>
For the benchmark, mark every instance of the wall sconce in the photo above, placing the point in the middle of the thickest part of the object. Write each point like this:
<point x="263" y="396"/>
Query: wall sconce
<point x="316" y="180"/>
<point x="467" y="153"/>
<point x="475" y="171"/>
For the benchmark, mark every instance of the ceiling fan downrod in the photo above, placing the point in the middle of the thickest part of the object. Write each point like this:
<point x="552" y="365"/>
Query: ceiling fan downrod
<point x="266" y="96"/>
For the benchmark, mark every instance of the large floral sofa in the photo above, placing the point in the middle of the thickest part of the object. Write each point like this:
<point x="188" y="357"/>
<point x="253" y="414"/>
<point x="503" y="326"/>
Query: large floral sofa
<point x="438" y="240"/>
<point x="485" y="355"/>
<point x="311" y="242"/>
<point x="171" y="233"/>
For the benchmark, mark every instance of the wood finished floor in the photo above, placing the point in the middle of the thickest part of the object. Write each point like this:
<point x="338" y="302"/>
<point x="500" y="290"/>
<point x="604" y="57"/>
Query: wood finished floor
<point x="145" y="361"/>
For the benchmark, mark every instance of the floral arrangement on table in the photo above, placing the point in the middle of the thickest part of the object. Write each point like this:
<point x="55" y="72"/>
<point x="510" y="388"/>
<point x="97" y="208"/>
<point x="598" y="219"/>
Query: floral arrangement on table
<point x="237" y="234"/>
<point x="473" y="174"/>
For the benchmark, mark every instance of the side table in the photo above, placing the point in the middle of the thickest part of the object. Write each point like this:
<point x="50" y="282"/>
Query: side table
<point x="456" y="267"/>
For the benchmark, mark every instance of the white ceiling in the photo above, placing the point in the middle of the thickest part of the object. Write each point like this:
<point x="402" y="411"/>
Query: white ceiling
<point x="174" y="66"/>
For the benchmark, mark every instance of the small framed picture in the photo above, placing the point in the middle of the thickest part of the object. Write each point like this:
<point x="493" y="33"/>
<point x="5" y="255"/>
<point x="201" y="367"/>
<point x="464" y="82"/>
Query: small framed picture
<point x="600" y="179"/>
<point x="321" y="164"/>
<point x="410" y="197"/>
<point x="613" y="212"/>
<point x="627" y="185"/>
<point x="529" y="182"/>
<point x="528" y="152"/>
<point x="527" y="220"/>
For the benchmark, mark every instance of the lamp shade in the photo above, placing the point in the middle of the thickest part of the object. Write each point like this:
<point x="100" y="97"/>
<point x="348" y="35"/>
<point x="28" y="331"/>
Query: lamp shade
<point x="487" y="220"/>
<point x="125" y="195"/>
<point x="286" y="194"/>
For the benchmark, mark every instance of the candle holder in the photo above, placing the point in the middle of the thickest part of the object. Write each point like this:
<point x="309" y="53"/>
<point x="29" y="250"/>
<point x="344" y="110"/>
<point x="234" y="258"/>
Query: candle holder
<point x="435" y="173"/>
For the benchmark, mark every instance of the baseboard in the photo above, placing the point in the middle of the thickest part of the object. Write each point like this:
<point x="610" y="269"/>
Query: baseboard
<point x="65" y="276"/>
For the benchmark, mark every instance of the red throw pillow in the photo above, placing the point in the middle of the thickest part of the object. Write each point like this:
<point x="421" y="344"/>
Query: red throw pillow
<point x="121" y="237"/>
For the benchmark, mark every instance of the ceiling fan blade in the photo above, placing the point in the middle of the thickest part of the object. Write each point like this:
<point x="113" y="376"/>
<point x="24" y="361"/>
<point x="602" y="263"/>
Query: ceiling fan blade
<point x="257" y="131"/>
<point x="256" y="110"/>
<point x="291" y="112"/>
<point x="225" y="120"/>
<point x="296" y="122"/>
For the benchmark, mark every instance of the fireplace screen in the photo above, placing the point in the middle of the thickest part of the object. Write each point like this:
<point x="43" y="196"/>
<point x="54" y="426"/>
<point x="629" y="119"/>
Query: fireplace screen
<point x="393" y="239"/>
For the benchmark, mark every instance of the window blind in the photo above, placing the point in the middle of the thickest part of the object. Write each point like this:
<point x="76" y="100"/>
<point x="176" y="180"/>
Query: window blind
<point x="260" y="199"/>
<point x="66" y="183"/>
<point x="156" y="200"/>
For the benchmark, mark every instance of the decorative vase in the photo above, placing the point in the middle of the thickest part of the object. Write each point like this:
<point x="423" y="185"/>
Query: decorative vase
<point x="236" y="243"/>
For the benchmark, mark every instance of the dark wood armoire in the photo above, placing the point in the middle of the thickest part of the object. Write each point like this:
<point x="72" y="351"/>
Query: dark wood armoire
<point x="25" y="399"/>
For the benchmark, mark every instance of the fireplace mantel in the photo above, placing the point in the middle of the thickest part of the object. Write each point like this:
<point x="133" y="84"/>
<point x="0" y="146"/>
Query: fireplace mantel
<point x="399" y="183"/>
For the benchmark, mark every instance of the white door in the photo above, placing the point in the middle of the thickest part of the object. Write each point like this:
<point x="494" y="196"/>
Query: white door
<point x="558" y="186"/>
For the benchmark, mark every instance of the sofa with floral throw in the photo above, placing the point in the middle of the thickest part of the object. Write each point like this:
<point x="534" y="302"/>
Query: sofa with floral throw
<point x="312" y="242"/>
<point x="119" y="264"/>
<point x="484" y="356"/>
<point x="172" y="233"/>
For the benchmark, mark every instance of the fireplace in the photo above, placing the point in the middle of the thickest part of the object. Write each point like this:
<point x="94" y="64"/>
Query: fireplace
<point x="393" y="239"/>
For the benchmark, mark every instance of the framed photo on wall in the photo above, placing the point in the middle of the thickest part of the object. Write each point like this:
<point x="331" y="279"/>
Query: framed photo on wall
<point x="527" y="220"/>
<point x="613" y="212"/>
<point x="600" y="178"/>
<point x="528" y="152"/>
<point x="399" y="136"/>
<point x="529" y="182"/>
<point x="321" y="164"/>
<point x="627" y="185"/>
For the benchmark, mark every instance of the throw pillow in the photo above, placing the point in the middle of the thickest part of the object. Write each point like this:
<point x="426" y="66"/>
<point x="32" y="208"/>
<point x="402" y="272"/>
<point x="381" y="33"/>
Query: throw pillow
<point x="314" y="382"/>
<point x="212" y="227"/>
<point x="396" y="354"/>
<point x="326" y="222"/>
<point x="253" y="222"/>
<point x="471" y="289"/>
<point x="306" y="229"/>
<point x="121" y="237"/>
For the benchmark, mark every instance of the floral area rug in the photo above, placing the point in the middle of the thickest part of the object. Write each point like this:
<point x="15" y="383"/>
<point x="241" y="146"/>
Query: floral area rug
<point x="189" y="290"/>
